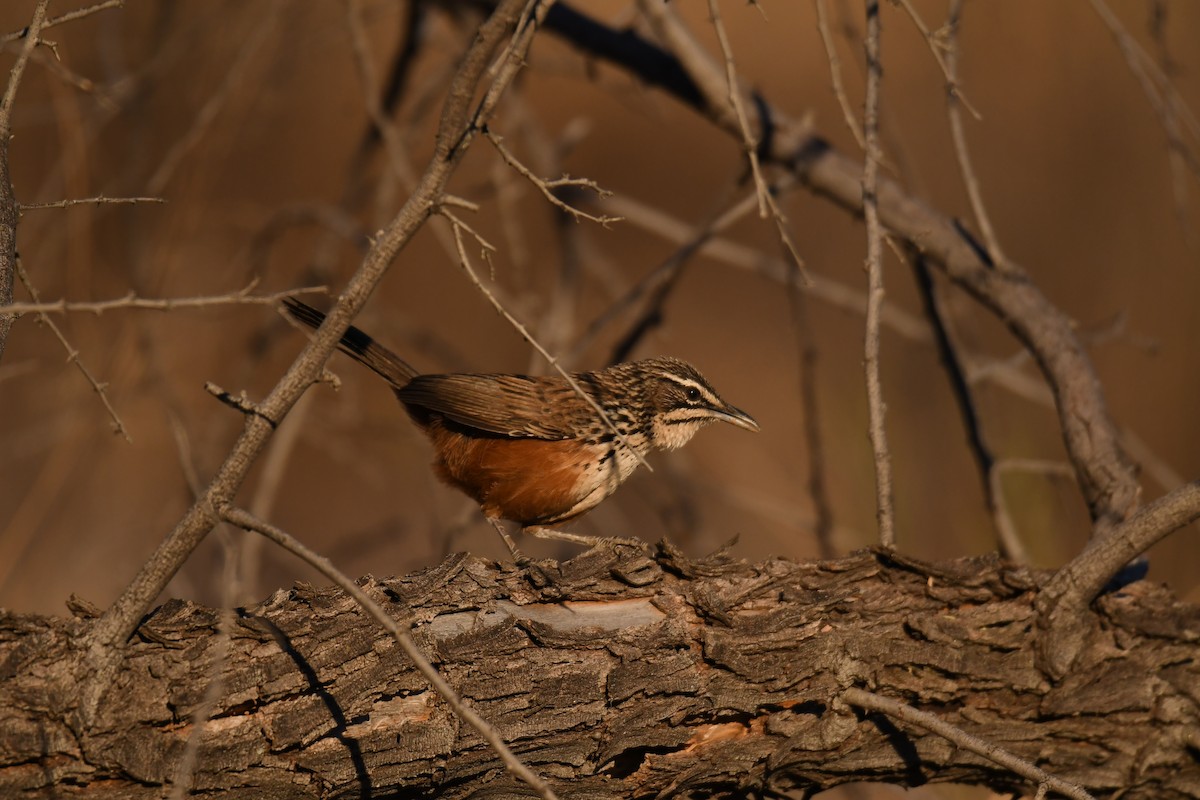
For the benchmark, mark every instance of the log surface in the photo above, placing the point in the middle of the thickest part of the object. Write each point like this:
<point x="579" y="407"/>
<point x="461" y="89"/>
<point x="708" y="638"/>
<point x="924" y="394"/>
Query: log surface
<point x="628" y="676"/>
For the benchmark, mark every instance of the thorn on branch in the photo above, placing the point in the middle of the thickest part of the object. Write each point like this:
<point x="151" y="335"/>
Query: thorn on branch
<point x="240" y="403"/>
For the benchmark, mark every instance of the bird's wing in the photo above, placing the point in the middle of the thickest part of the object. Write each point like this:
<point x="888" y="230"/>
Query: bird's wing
<point x="518" y="406"/>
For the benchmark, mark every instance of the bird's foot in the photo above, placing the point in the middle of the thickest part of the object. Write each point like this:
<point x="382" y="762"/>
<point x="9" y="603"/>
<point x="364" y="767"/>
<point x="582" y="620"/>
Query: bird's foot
<point x="579" y="538"/>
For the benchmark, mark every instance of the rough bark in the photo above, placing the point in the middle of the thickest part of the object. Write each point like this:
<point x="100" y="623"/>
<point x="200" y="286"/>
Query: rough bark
<point x="625" y="677"/>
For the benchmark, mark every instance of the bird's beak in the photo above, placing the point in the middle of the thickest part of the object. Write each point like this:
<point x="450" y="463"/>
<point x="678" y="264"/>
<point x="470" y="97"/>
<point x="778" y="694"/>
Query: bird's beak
<point x="735" y="416"/>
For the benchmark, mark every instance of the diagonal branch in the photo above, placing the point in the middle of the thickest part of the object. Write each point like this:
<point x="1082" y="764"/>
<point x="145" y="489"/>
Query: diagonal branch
<point x="913" y="716"/>
<point x="403" y="636"/>
<point x="1075" y="586"/>
<point x="1105" y="475"/>
<point x="101" y="389"/>
<point x="9" y="210"/>
<point x="110" y="632"/>
<point x="953" y="361"/>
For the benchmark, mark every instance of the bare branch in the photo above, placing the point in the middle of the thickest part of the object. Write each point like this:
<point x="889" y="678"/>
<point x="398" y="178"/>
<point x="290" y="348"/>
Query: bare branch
<point x="465" y="262"/>
<point x="393" y="144"/>
<point x="937" y="41"/>
<point x="30" y="35"/>
<point x="240" y="403"/>
<point x="69" y="16"/>
<point x="657" y="283"/>
<point x="101" y="389"/>
<point x="723" y="100"/>
<point x="90" y="201"/>
<point x="835" y="73"/>
<point x="242" y="297"/>
<point x="952" y="733"/>
<point x="953" y="98"/>
<point x="107" y="637"/>
<point x="735" y="254"/>
<point x="954" y="361"/>
<point x="547" y="187"/>
<point x="9" y="216"/>
<point x="814" y="444"/>
<point x="403" y="637"/>
<point x="1074" y="587"/>
<point x="1105" y="475"/>
<point x="874" y="264"/>
<point x="1155" y="85"/>
<point x="235" y="76"/>
<point x="749" y="143"/>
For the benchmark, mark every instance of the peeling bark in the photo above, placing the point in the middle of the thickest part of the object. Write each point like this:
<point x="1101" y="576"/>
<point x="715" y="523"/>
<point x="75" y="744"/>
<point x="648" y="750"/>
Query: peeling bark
<point x="625" y="677"/>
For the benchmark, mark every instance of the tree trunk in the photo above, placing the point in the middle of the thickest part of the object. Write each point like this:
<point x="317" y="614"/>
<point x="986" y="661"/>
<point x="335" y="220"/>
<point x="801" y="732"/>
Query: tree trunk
<point x="623" y="677"/>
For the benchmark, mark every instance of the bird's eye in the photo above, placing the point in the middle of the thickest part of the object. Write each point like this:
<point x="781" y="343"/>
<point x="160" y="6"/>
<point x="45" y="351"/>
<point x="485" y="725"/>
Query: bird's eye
<point x="692" y="394"/>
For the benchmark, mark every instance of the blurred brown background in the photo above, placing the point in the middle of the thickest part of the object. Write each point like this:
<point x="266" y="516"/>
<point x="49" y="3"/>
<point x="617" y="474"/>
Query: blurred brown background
<point x="247" y="118"/>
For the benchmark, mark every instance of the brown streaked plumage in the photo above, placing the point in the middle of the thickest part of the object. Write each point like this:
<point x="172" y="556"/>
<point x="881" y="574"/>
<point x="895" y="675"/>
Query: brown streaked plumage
<point x="530" y="449"/>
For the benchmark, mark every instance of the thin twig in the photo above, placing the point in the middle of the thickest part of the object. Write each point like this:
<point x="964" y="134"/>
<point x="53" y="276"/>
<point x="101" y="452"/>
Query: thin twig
<point x="1105" y="475"/>
<point x="835" y="73"/>
<point x="239" y="402"/>
<point x="954" y="362"/>
<point x="653" y="289"/>
<point x="953" y="98"/>
<point x="1168" y="106"/>
<point x="465" y="262"/>
<point x="90" y="201"/>
<point x="561" y="300"/>
<point x="766" y="198"/>
<point x="547" y="187"/>
<point x="235" y="78"/>
<point x="266" y="491"/>
<point x="69" y="16"/>
<point x="403" y="637"/>
<point x="956" y="735"/>
<point x="749" y="143"/>
<point x="1151" y="78"/>
<point x="936" y="43"/>
<point x="99" y="662"/>
<point x="1040" y="466"/>
<point x="814" y="448"/>
<point x="1004" y="373"/>
<point x="132" y="301"/>
<point x="508" y="64"/>
<point x="51" y="63"/>
<point x="381" y="122"/>
<point x="722" y="97"/>
<point x="101" y="389"/>
<point x="31" y="34"/>
<point x="874" y="264"/>
<point x="9" y="215"/>
<point x="1179" y="166"/>
<point x="837" y="295"/>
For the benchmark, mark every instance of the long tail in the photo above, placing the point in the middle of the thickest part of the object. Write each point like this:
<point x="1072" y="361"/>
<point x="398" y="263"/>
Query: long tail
<point x="358" y="345"/>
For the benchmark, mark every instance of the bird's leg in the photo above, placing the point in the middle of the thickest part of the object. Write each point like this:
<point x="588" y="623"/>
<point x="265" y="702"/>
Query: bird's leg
<point x="579" y="538"/>
<point x="518" y="557"/>
<point x="537" y="576"/>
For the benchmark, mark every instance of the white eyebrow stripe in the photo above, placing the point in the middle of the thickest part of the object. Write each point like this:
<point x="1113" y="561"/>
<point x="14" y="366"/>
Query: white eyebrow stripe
<point x="692" y="384"/>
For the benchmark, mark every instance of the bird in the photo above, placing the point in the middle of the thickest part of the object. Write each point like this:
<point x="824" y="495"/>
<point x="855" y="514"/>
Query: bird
<point x="530" y="449"/>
